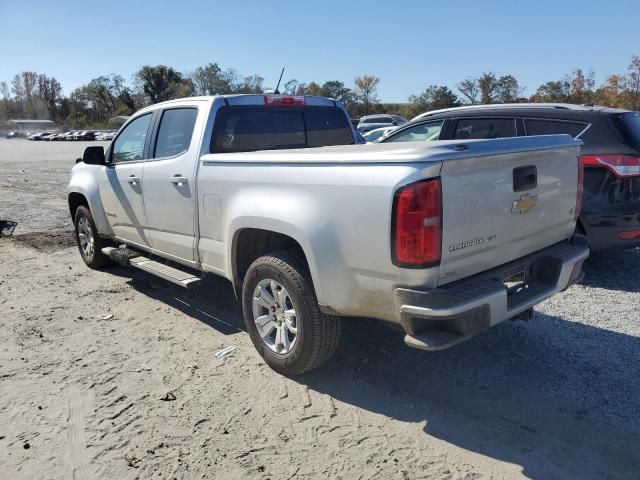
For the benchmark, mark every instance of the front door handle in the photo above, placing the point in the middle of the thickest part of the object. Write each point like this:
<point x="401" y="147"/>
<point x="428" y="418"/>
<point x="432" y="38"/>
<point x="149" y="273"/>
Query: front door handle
<point x="133" y="180"/>
<point x="179" y="179"/>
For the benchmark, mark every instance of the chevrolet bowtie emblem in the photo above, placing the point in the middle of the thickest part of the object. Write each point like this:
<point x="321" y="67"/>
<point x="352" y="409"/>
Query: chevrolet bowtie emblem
<point x="525" y="203"/>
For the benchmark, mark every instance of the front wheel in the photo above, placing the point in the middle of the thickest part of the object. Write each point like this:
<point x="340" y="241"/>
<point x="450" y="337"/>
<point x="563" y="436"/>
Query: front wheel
<point x="282" y="316"/>
<point x="89" y="241"/>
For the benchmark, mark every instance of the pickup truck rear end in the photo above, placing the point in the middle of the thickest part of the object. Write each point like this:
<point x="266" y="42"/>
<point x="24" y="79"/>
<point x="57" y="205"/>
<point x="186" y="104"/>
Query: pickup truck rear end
<point x="444" y="239"/>
<point x="373" y="248"/>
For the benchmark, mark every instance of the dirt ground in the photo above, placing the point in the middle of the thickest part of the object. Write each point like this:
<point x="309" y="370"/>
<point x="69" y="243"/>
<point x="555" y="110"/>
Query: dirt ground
<point x="111" y="374"/>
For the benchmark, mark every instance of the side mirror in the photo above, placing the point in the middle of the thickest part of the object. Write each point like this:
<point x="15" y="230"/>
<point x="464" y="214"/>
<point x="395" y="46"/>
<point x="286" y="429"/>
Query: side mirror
<point x="93" y="155"/>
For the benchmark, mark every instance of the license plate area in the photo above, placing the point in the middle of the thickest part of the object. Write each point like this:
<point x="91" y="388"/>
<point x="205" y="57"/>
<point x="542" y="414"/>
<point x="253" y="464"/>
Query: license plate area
<point x="515" y="281"/>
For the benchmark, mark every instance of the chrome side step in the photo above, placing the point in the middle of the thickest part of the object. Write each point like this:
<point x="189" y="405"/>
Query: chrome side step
<point x="124" y="256"/>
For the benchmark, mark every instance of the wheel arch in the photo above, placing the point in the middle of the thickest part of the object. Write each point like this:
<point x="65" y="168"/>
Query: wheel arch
<point x="78" y="194"/>
<point x="250" y="243"/>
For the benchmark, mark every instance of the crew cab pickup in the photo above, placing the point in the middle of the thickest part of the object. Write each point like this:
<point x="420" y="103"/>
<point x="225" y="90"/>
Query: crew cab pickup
<point x="442" y="239"/>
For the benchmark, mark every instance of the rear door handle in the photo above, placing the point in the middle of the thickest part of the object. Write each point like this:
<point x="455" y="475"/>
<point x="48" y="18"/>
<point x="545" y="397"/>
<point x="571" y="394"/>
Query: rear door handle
<point x="132" y="179"/>
<point x="179" y="179"/>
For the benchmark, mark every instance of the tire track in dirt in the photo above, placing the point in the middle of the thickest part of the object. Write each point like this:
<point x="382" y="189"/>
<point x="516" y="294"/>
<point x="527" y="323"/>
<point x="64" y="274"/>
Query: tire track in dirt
<point x="80" y="464"/>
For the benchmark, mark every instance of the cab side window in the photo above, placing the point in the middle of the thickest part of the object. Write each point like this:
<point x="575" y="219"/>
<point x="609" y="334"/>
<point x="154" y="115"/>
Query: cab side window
<point x="485" y="128"/>
<point x="129" y="145"/>
<point x="175" y="132"/>
<point x="422" y="132"/>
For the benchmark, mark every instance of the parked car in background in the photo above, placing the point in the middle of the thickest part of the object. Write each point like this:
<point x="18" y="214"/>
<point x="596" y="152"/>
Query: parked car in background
<point x="375" y="135"/>
<point x="38" y="136"/>
<point x="610" y="155"/>
<point x="13" y="134"/>
<point x="441" y="241"/>
<point x="371" y="122"/>
<point x="84" y="135"/>
<point x="105" y="136"/>
<point x="50" y="137"/>
<point x="62" y="137"/>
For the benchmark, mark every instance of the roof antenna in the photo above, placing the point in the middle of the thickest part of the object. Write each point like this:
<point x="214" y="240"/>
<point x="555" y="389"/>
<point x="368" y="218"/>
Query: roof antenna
<point x="278" y="85"/>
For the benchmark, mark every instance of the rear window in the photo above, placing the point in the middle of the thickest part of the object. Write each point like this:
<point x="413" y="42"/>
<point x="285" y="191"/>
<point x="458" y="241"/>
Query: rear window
<point x="485" y="128"/>
<point x="552" y="127"/>
<point x="630" y="127"/>
<point x="176" y="130"/>
<point x="247" y="129"/>
<point x="378" y="120"/>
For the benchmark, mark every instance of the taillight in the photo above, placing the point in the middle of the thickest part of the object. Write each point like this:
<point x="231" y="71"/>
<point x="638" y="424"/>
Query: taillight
<point x="629" y="235"/>
<point x="284" y="100"/>
<point x="417" y="224"/>
<point x="580" y="190"/>
<point x="619" y="165"/>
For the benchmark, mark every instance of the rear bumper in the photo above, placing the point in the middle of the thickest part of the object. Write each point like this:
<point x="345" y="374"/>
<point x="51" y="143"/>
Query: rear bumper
<point x="603" y="230"/>
<point x="440" y="318"/>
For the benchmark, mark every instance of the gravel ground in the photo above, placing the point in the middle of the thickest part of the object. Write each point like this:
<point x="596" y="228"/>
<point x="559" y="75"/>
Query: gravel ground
<point x="87" y="358"/>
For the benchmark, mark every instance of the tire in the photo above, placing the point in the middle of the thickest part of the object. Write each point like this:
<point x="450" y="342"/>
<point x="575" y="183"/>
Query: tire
<point x="84" y="225"/>
<point x="317" y="334"/>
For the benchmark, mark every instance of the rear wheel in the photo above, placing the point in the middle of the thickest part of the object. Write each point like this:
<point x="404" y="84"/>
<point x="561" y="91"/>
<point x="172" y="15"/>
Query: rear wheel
<point x="89" y="242"/>
<point x="282" y="316"/>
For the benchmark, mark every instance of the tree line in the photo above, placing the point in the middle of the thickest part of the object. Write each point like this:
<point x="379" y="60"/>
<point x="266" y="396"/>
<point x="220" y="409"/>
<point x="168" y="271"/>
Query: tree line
<point x="38" y="96"/>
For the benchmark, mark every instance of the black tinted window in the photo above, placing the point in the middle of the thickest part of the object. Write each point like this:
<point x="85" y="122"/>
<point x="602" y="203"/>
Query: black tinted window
<point x="246" y="129"/>
<point x="551" y="127"/>
<point x="176" y="129"/>
<point x="485" y="128"/>
<point x="327" y="127"/>
<point x="630" y="125"/>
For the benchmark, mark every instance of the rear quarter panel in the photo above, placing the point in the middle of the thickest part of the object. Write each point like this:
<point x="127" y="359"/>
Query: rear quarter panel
<point x="339" y="214"/>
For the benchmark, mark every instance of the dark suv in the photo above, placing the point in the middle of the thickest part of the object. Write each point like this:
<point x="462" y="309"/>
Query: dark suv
<point x="610" y="155"/>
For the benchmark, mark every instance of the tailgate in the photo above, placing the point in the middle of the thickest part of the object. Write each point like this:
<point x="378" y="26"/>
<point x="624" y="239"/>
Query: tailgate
<point x="506" y="199"/>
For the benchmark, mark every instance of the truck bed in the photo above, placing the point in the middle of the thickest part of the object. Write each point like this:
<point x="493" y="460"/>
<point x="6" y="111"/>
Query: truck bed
<point x="408" y="152"/>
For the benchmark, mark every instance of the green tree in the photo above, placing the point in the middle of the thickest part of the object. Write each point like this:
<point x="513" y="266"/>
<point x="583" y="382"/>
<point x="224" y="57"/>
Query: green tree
<point x="435" y="97"/>
<point x="290" y="87"/>
<point x="212" y="80"/>
<point x="311" y="88"/>
<point x="109" y="96"/>
<point x="251" y="84"/>
<point x="581" y="86"/>
<point x="487" y="83"/>
<point x="613" y="93"/>
<point x="161" y="83"/>
<point x="470" y="89"/>
<point x="337" y="90"/>
<point x="552" y="92"/>
<point x="633" y="83"/>
<point x="507" y="90"/>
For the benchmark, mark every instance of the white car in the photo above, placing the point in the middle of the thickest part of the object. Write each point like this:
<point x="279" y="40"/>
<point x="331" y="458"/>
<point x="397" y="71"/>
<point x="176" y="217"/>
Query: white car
<point x="443" y="239"/>
<point x="105" y="136"/>
<point x="376" y="135"/>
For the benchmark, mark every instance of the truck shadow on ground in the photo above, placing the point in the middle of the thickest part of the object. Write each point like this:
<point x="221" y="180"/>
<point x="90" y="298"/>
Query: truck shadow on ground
<point x="515" y="394"/>
<point x="558" y="398"/>
<point x="621" y="269"/>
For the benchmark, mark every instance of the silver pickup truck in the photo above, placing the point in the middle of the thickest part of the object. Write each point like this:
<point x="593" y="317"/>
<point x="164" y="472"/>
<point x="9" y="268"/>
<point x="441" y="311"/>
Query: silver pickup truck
<point x="441" y="239"/>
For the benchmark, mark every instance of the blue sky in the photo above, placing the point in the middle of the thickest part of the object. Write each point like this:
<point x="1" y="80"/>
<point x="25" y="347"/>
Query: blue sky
<point x="408" y="44"/>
